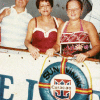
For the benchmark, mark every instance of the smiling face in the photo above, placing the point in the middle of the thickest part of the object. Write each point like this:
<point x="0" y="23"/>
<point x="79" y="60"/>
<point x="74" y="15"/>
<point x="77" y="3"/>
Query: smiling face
<point x="74" y="10"/>
<point x="21" y="3"/>
<point x="45" y="8"/>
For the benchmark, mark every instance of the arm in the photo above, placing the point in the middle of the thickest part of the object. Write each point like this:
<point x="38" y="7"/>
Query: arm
<point x="94" y="39"/>
<point x="57" y="45"/>
<point x="33" y="50"/>
<point x="5" y="12"/>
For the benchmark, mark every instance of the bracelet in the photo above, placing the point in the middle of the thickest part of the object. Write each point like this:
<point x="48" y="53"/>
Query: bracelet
<point x="88" y="54"/>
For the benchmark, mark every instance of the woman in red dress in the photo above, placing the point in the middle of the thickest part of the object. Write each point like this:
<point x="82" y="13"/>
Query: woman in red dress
<point x="42" y="30"/>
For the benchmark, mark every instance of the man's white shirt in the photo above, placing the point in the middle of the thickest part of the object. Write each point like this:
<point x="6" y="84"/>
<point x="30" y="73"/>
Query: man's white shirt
<point x="14" y="29"/>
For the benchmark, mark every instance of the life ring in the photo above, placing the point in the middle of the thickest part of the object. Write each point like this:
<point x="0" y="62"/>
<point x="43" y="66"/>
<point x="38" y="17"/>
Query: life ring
<point x="82" y="89"/>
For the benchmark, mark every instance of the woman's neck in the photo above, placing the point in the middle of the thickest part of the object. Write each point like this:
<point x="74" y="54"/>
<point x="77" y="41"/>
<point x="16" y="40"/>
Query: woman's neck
<point x="74" y="22"/>
<point x="46" y="18"/>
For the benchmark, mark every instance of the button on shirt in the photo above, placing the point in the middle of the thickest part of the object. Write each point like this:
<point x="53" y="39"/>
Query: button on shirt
<point x="14" y="29"/>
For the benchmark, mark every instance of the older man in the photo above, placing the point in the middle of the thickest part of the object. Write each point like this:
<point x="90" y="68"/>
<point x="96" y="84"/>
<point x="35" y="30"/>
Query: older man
<point x="14" y="22"/>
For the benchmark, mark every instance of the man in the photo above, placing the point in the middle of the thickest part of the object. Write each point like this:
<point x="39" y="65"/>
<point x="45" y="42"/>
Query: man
<point x="14" y="22"/>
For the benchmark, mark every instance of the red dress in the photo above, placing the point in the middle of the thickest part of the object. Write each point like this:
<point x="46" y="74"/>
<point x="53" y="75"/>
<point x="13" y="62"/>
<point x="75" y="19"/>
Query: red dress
<point x="74" y="42"/>
<point x="44" y="40"/>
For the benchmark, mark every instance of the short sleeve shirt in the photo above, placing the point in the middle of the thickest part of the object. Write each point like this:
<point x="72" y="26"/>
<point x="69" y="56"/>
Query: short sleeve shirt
<point x="14" y="29"/>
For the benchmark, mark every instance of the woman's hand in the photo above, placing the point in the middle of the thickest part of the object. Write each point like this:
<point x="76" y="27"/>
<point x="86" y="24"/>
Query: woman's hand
<point x="81" y="57"/>
<point x="50" y="52"/>
<point x="34" y="51"/>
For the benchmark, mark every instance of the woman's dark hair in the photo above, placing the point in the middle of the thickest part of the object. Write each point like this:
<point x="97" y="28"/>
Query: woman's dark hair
<point x="38" y="2"/>
<point x="79" y="1"/>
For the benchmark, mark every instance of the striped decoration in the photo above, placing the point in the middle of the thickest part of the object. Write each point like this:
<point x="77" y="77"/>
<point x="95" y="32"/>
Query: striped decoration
<point x="78" y="90"/>
<point x="63" y="64"/>
<point x="44" y="85"/>
<point x="83" y="91"/>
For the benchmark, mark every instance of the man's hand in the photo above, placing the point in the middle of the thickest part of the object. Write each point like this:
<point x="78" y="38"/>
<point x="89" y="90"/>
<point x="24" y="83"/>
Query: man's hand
<point x="6" y="12"/>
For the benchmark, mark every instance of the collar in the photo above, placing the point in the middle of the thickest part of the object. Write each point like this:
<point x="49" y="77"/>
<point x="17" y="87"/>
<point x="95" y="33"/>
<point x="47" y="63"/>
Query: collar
<point x="12" y="8"/>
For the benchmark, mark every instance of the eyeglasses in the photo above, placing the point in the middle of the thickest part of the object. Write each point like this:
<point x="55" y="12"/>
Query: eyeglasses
<point x="75" y="10"/>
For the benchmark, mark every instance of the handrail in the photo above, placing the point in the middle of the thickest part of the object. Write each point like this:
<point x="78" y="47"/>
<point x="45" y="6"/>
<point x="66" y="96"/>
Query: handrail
<point x="25" y="50"/>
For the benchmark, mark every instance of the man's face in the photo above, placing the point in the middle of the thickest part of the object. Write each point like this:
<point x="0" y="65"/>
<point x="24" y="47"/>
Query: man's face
<point x="21" y="3"/>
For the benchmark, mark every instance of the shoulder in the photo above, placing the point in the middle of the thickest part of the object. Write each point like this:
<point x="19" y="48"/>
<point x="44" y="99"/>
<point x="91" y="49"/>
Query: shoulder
<point x="32" y="22"/>
<point x="26" y="14"/>
<point x="88" y="24"/>
<point x="59" y="21"/>
<point x="62" y="26"/>
<point x="29" y="16"/>
<point x="91" y="29"/>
